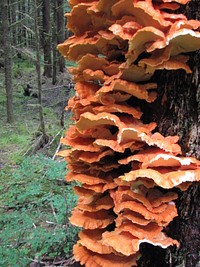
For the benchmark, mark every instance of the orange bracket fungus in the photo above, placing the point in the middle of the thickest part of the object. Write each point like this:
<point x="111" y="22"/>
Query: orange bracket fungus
<point x="125" y="169"/>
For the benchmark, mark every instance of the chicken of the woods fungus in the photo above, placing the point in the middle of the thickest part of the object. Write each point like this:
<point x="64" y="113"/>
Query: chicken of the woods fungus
<point x="125" y="169"/>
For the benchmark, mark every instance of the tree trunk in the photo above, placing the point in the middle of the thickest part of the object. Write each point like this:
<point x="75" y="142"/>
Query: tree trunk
<point x="54" y="42"/>
<point x="24" y="31"/>
<point x="38" y="69"/>
<point x="60" y="32"/>
<point x="177" y="112"/>
<point x="29" y="33"/>
<point x="47" y="38"/>
<point x="19" y="26"/>
<point x="1" y="31"/>
<point x="7" y="50"/>
<point x="13" y="21"/>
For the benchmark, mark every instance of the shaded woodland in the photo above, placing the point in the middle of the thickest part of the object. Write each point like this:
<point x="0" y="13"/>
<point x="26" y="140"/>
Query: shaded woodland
<point x="31" y="30"/>
<point x="35" y="202"/>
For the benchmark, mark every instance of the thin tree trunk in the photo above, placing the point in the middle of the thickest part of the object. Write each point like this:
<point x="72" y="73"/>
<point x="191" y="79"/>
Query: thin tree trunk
<point x="19" y="27"/>
<point x="1" y="32"/>
<point x="29" y="33"/>
<point x="24" y="31"/>
<point x="38" y="69"/>
<point x="177" y="112"/>
<point x="7" y="50"/>
<point x="47" y="38"/>
<point x="13" y="21"/>
<point x="60" y="32"/>
<point x="54" y="42"/>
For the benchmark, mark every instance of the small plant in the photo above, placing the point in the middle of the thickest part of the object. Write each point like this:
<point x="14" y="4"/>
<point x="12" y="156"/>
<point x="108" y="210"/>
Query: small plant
<point x="35" y="203"/>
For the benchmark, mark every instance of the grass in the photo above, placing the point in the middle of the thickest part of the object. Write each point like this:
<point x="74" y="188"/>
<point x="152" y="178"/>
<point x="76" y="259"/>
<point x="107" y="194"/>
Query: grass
<point x="15" y="137"/>
<point x="18" y="137"/>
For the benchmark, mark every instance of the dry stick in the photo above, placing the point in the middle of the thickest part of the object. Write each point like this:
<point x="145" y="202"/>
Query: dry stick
<point x="50" y="222"/>
<point x="57" y="149"/>
<point x="70" y="261"/>
<point x="52" y="88"/>
<point x="68" y="86"/>
<point x="56" y="136"/>
<point x="36" y="261"/>
<point x="54" y="212"/>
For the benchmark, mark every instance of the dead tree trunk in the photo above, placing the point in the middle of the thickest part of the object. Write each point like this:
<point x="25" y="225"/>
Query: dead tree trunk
<point x="177" y="112"/>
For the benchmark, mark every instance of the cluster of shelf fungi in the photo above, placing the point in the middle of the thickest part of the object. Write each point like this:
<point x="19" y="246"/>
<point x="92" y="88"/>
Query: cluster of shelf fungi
<point x="128" y="174"/>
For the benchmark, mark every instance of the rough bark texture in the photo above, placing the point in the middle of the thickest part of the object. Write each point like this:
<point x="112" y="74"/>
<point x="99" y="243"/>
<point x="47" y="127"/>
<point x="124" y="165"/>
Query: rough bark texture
<point x="177" y="111"/>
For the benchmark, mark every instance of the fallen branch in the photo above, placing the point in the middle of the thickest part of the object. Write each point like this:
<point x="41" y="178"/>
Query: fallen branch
<point x="67" y="262"/>
<point x="35" y="263"/>
<point x="38" y="143"/>
<point x="56" y="87"/>
<point x="55" y="136"/>
<point x="54" y="212"/>
<point x="57" y="149"/>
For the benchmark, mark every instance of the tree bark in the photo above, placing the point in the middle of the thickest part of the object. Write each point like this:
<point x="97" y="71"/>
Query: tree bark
<point x="38" y="69"/>
<point x="60" y="32"/>
<point x="1" y="31"/>
<point x="13" y="21"/>
<point x="19" y="28"/>
<point x="24" y="31"/>
<point x="177" y="112"/>
<point x="54" y="42"/>
<point x="47" y="38"/>
<point x="7" y="51"/>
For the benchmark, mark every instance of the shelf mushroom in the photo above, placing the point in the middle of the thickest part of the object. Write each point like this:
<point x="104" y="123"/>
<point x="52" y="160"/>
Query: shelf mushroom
<point x="126" y="171"/>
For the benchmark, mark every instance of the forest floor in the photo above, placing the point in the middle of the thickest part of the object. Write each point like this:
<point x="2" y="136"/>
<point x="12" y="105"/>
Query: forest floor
<point x="35" y="201"/>
<point x="17" y="139"/>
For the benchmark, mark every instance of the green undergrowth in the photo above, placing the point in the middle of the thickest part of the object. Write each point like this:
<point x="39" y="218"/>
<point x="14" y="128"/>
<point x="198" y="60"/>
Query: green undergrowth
<point x="35" y="204"/>
<point x="17" y="138"/>
<point x="21" y="66"/>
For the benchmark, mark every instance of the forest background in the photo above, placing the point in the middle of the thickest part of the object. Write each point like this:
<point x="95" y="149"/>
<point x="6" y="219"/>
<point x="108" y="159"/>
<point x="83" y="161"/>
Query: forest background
<point x="35" y="202"/>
